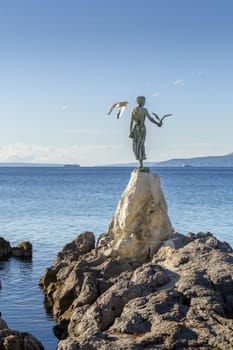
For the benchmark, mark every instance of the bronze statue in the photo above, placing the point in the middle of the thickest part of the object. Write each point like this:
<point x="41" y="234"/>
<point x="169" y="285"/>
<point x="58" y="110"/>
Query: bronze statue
<point x="137" y="126"/>
<point x="138" y="129"/>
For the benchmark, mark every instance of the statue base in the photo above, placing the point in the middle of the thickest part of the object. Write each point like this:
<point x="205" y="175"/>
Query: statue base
<point x="142" y="170"/>
<point x="140" y="224"/>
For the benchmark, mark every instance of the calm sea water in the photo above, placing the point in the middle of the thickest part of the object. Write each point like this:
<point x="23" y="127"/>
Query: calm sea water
<point x="50" y="206"/>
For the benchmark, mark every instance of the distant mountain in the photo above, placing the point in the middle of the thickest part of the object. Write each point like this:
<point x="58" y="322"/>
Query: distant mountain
<point x="209" y="161"/>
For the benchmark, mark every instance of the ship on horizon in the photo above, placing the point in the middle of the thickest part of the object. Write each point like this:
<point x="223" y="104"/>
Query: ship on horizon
<point x="71" y="165"/>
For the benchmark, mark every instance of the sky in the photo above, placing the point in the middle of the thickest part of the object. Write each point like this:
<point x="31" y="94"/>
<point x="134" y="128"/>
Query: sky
<point x="64" y="62"/>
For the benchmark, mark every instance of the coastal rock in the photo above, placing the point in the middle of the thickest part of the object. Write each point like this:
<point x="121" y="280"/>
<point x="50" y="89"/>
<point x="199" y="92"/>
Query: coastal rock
<point x="22" y="250"/>
<point x="181" y="298"/>
<point x="141" y="223"/>
<point x="60" y="282"/>
<point x="3" y="324"/>
<point x="14" y="340"/>
<point x="5" y="248"/>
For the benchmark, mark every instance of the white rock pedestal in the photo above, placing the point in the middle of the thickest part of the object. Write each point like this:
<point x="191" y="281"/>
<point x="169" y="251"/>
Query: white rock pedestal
<point x="141" y="223"/>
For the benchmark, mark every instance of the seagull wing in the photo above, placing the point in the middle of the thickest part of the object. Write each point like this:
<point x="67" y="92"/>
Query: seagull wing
<point x="121" y="111"/>
<point x="123" y="103"/>
<point x="165" y="116"/>
<point x="112" y="108"/>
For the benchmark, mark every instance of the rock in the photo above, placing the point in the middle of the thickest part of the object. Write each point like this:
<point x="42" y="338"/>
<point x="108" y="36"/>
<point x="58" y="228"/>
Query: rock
<point x="60" y="282"/>
<point x="177" y="241"/>
<point x="140" y="224"/>
<point x="22" y="250"/>
<point x="14" y="340"/>
<point x="5" y="248"/>
<point x="81" y="245"/>
<point x="181" y="298"/>
<point x="3" y="324"/>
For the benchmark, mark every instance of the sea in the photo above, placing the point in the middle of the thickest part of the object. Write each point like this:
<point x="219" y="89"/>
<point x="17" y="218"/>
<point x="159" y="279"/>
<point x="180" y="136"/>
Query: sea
<point x="50" y="206"/>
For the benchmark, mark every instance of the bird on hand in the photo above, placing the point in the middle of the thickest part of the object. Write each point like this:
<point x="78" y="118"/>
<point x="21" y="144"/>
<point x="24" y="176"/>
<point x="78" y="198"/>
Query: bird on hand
<point x="121" y="106"/>
<point x="163" y="117"/>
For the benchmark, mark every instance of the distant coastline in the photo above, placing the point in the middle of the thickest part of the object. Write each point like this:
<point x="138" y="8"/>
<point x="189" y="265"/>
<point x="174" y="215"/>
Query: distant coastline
<point x="21" y="164"/>
<point x="208" y="161"/>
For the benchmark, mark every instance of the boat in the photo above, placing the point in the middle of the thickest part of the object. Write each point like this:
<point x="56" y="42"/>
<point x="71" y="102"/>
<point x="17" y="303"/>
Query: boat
<point x="71" y="166"/>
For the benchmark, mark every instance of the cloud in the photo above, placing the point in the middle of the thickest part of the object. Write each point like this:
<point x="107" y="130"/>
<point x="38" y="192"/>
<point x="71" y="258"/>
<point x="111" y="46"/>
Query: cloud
<point x="200" y="74"/>
<point x="20" y="152"/>
<point x="156" y="94"/>
<point x="178" y="82"/>
<point x="84" y="154"/>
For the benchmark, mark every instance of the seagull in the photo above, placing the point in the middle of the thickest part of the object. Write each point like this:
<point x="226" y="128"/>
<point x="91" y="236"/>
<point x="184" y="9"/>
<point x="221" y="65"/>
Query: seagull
<point x="161" y="119"/>
<point x="121" y="105"/>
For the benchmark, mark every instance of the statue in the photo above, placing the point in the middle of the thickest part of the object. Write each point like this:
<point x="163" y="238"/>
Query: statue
<point x="138" y="129"/>
<point x="137" y="126"/>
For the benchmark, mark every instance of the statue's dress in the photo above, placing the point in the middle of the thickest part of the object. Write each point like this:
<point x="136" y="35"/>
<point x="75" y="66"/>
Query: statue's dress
<point x="138" y="133"/>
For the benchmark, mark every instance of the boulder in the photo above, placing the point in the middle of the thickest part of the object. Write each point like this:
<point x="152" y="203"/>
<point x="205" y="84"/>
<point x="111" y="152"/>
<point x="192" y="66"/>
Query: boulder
<point x="141" y="223"/>
<point x="60" y="281"/>
<point x="14" y="340"/>
<point x="22" y="250"/>
<point x="5" y="248"/>
<point x="180" y="298"/>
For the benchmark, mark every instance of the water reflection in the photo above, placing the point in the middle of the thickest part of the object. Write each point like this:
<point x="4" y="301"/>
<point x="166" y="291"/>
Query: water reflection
<point x="21" y="301"/>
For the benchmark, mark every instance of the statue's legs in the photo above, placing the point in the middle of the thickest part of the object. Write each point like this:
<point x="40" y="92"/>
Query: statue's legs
<point x="139" y="135"/>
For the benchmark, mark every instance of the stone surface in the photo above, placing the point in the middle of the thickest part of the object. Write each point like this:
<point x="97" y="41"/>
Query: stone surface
<point x="60" y="281"/>
<point x="14" y="340"/>
<point x="181" y="298"/>
<point x="5" y="248"/>
<point x="22" y="250"/>
<point x="141" y="223"/>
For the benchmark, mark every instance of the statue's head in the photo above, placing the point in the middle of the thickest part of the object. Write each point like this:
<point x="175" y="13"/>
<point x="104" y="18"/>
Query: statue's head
<point x="141" y="100"/>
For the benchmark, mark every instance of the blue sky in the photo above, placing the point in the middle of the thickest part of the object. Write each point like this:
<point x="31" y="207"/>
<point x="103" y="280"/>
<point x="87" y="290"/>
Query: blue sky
<point x="63" y="62"/>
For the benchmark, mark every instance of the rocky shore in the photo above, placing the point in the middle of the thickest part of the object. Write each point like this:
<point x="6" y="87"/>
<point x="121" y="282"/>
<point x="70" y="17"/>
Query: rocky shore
<point x="181" y="298"/>
<point x="142" y="286"/>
